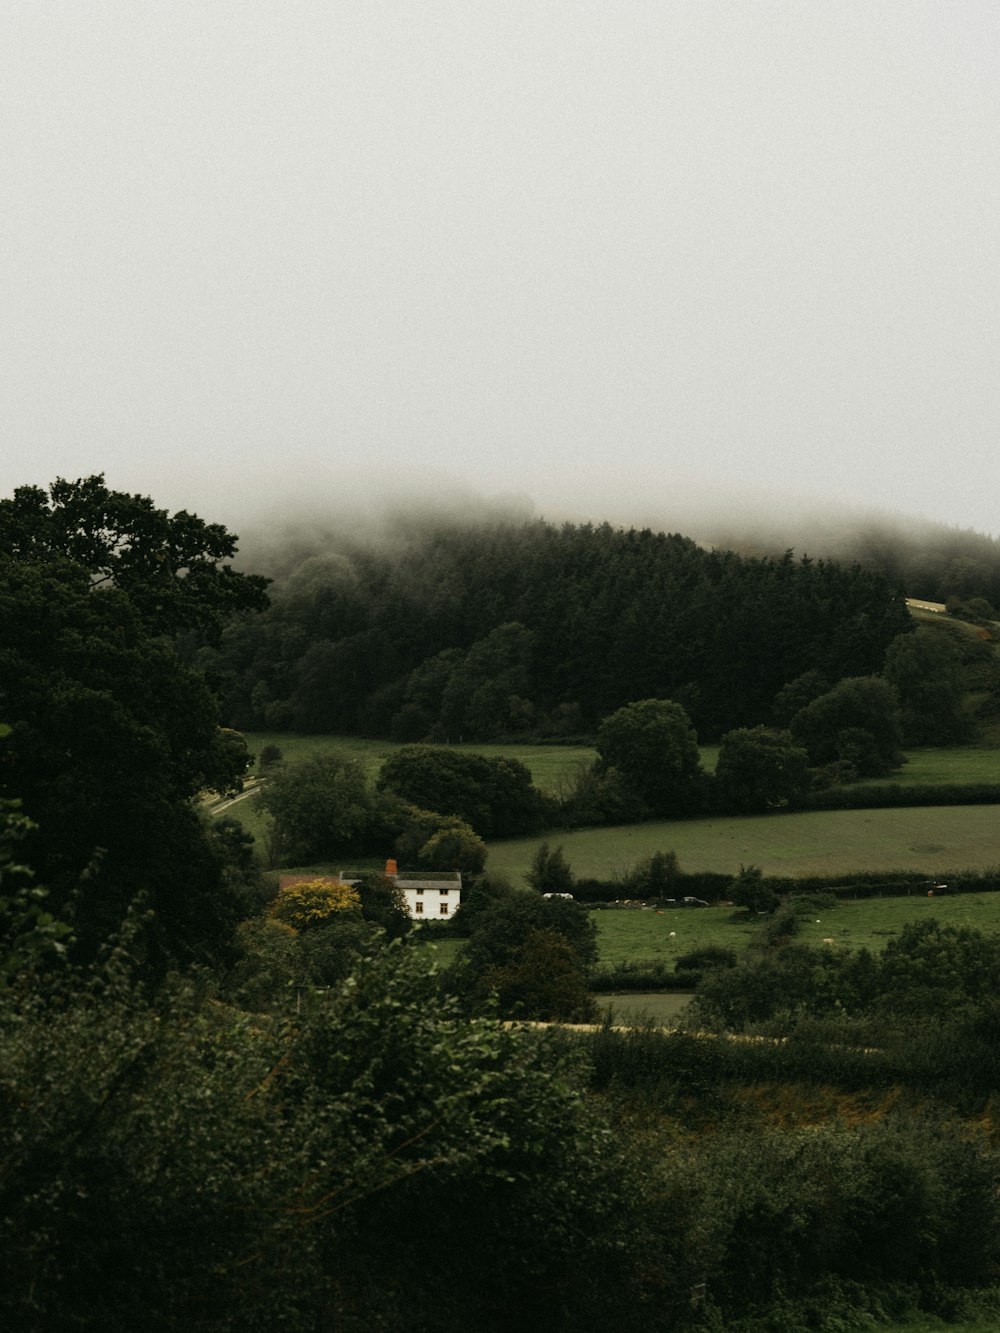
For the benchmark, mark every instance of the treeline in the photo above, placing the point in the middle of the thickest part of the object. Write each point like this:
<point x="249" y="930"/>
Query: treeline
<point x="497" y="631"/>
<point x="932" y="561"/>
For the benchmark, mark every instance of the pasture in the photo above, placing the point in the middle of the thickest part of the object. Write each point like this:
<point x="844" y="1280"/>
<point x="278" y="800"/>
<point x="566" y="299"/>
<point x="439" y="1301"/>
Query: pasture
<point x="633" y="935"/>
<point x="553" y="766"/>
<point x="933" y="839"/>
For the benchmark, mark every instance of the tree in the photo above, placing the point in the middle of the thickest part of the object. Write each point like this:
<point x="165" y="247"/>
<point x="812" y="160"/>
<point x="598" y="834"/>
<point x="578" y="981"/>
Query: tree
<point x="760" y="769"/>
<point x="383" y="904"/>
<point x="925" y="668"/>
<point x="547" y="982"/>
<point x="657" y="877"/>
<point x="29" y="933"/>
<point x="749" y="889"/>
<point x="170" y="567"/>
<point x="653" y="746"/>
<point x="112" y="736"/>
<point x="858" y="720"/>
<point x="500" y="932"/>
<point x="492" y="793"/>
<point x="454" y="847"/>
<point x="320" y="808"/>
<point x="550" y="871"/>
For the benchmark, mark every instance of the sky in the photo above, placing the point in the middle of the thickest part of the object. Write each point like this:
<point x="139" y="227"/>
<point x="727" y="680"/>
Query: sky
<point x="632" y="260"/>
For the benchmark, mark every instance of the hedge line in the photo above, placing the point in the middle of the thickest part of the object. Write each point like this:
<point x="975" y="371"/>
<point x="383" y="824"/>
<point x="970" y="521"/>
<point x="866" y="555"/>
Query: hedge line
<point x="892" y="796"/>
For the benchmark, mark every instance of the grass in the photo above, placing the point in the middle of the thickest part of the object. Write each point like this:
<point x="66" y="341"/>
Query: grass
<point x="635" y="935"/>
<point x="637" y="1007"/>
<point x="551" y="766"/>
<point x="934" y="839"/>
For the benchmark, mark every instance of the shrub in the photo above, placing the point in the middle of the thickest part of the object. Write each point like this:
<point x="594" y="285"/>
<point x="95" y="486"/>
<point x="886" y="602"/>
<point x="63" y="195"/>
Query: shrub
<point x="309" y="903"/>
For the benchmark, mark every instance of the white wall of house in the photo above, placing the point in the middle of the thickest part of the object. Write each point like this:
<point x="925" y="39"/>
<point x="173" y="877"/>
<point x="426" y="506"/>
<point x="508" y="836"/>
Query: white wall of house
<point x="430" y="902"/>
<point x="426" y="899"/>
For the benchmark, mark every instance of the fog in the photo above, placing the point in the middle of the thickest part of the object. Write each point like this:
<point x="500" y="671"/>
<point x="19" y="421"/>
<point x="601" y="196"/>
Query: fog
<point x="702" y="265"/>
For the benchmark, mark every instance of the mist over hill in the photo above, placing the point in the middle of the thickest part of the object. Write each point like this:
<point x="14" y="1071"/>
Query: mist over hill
<point x="929" y="559"/>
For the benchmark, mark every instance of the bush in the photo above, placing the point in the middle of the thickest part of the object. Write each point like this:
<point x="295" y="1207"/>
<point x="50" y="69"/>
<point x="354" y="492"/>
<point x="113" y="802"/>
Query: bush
<point x="185" y="1167"/>
<point x="308" y="903"/>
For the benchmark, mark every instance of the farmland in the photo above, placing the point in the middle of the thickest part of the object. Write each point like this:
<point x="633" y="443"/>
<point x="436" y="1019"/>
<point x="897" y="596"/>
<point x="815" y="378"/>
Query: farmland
<point x="937" y="840"/>
<point x="627" y="935"/>
<point x="932" y="839"/>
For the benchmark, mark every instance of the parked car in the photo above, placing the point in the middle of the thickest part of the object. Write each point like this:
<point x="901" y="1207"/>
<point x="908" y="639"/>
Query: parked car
<point x="693" y="902"/>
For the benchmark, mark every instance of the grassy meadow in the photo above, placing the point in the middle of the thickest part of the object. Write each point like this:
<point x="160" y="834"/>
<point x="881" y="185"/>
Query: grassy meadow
<point x="553" y="766"/>
<point x="932" y="839"/>
<point x="626" y="935"/>
<point x="935" y="839"/>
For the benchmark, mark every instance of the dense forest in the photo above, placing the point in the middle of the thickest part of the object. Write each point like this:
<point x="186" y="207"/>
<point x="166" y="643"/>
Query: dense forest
<point x="499" y="630"/>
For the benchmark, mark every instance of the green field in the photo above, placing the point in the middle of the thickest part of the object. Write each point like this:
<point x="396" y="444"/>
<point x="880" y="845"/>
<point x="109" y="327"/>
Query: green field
<point x="551" y="766"/>
<point x="935" y="839"/>
<point x="632" y="935"/>
<point x="638" y="1007"/>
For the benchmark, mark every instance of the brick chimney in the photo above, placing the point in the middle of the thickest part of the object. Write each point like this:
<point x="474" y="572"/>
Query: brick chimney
<point x="390" y="869"/>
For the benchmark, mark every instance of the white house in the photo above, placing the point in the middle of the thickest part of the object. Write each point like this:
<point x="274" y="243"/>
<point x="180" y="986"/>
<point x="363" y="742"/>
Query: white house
<point x="430" y="895"/>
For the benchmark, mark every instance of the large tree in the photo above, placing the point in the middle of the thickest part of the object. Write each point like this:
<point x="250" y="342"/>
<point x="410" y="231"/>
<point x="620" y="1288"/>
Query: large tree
<point x="112" y="737"/>
<point x="652" y="744"/>
<point x="320" y="808"/>
<point x="491" y="792"/>
<point x="760" y="769"/>
<point x="856" y="722"/>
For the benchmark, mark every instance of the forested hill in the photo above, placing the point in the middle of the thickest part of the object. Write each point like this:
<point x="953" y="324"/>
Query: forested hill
<point x="514" y="629"/>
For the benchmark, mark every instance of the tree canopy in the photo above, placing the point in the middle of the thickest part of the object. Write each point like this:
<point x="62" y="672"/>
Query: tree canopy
<point x="652" y="744"/>
<point x="112" y="736"/>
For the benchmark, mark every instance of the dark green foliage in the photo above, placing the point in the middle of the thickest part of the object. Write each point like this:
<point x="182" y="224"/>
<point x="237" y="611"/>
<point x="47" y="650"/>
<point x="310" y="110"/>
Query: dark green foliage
<point x="485" y="631"/>
<point x="550" y="871"/>
<point x="637" y="975"/>
<point x="111" y="735"/>
<point x="383" y="904"/>
<point x="29" y="933"/>
<point x="599" y="797"/>
<point x="186" y="1166"/>
<point x="270" y="757"/>
<point x="659" y="876"/>
<point x="454" y="846"/>
<point x="925" y="669"/>
<point x="497" y="950"/>
<point x="750" y="890"/>
<point x="709" y="956"/>
<point x="653" y="746"/>
<point x="794" y="696"/>
<point x="241" y="871"/>
<point x="169" y="568"/>
<point x="928" y="972"/>
<point x="546" y="980"/>
<point x="493" y="794"/>
<point x="487" y="689"/>
<point x="760" y="769"/>
<point x="888" y="795"/>
<point x="321" y="808"/>
<point x="484" y="892"/>
<point x="857" y="722"/>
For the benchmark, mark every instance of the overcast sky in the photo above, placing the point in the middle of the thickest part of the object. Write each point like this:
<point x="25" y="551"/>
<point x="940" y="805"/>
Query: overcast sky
<point x="616" y="258"/>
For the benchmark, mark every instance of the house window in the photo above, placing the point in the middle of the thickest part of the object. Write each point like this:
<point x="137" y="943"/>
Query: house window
<point x="444" y="891"/>
<point x="419" y="889"/>
<point x="444" y="909"/>
<point x="419" y="909"/>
